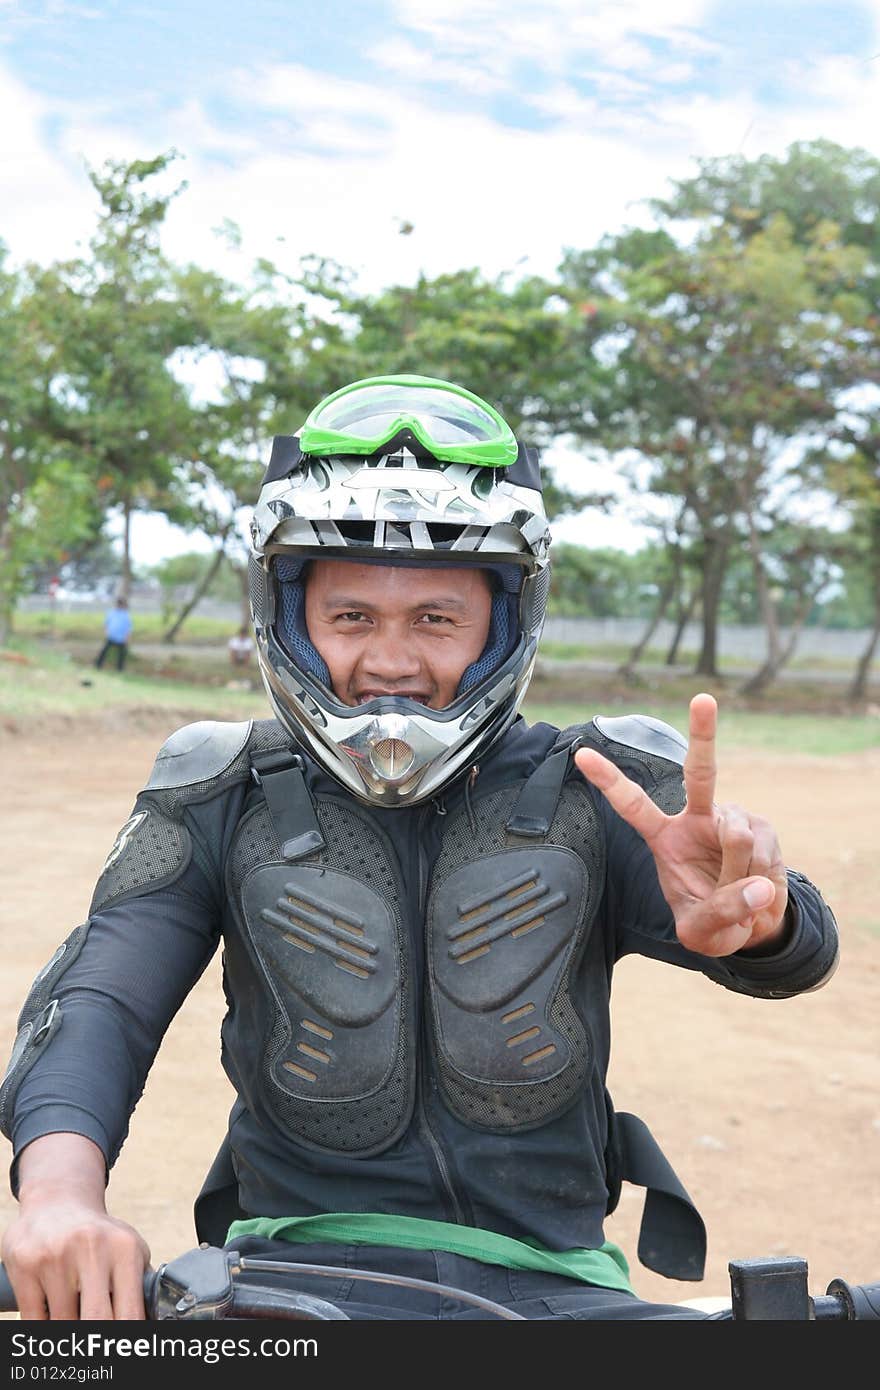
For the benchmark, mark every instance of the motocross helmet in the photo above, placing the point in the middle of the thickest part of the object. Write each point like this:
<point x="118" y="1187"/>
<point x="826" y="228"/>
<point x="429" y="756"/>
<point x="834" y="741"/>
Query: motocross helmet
<point x="399" y="470"/>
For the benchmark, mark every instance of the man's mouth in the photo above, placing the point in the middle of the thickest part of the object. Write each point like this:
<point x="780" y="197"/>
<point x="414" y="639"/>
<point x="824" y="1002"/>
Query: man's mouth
<point x="419" y="695"/>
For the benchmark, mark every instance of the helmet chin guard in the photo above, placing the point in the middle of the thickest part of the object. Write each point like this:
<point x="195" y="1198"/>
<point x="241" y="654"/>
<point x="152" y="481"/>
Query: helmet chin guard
<point x="415" y="510"/>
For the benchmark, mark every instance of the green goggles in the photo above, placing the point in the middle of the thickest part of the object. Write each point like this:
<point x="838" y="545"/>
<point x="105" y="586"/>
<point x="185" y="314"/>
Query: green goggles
<point x="420" y="412"/>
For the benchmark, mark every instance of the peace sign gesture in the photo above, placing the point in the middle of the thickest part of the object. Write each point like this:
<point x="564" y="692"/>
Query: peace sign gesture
<point x="720" y="868"/>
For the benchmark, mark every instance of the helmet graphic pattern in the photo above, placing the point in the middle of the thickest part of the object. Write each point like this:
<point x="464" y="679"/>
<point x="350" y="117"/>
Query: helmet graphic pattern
<point x="394" y="751"/>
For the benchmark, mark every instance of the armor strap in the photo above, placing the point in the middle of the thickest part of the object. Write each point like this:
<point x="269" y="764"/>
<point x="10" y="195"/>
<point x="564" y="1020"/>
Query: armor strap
<point x="281" y="777"/>
<point x="672" y="1236"/>
<point x="535" y="807"/>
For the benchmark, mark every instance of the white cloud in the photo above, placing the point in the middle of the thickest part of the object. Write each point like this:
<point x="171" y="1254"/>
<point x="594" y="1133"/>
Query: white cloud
<point x="478" y="193"/>
<point x="45" y="206"/>
<point x="510" y="31"/>
<point x="406" y="60"/>
<point x="835" y="99"/>
<point x="331" y="164"/>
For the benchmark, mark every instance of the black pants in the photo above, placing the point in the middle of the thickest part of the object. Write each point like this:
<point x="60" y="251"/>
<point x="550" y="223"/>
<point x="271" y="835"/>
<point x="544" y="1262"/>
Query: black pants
<point x="120" y="649"/>
<point x="530" y="1293"/>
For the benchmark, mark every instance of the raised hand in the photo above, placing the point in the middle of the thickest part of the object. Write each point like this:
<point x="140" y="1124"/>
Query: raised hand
<point x="720" y="868"/>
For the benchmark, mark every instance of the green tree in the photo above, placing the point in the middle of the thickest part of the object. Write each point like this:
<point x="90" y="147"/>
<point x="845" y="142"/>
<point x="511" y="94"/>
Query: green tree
<point x="718" y="354"/>
<point x="46" y="494"/>
<point x="277" y="345"/>
<point x="814" y="182"/>
<point x="116" y="327"/>
<point x="601" y="582"/>
<point x="851" y="466"/>
<point x="820" y="185"/>
<point x="269" y="351"/>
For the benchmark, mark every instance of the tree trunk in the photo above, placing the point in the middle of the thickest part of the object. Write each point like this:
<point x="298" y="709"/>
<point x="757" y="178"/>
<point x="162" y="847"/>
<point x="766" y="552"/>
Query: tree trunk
<point x="7" y="589"/>
<point x="858" y="690"/>
<point x="766" y="675"/>
<point x="714" y="564"/>
<point x="773" y="660"/>
<point x="125" y="583"/>
<point x="627" y="668"/>
<point x="668" y="591"/>
<point x="685" y="613"/>
<point x="197" y="594"/>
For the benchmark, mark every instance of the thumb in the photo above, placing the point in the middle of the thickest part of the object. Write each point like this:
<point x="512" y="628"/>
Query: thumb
<point x="758" y="893"/>
<point x="722" y="924"/>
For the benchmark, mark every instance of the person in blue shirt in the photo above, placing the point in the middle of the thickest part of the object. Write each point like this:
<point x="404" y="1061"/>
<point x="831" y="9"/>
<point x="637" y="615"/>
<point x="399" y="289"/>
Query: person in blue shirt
<point x="117" y="630"/>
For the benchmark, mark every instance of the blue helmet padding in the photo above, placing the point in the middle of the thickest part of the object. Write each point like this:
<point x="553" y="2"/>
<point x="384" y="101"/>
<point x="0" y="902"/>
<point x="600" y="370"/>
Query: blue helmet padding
<point x="499" y="643"/>
<point x="293" y="621"/>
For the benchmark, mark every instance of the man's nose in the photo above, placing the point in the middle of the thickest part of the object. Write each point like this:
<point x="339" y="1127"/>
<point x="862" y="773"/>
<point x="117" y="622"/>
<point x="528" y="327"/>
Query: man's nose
<point x="390" y="654"/>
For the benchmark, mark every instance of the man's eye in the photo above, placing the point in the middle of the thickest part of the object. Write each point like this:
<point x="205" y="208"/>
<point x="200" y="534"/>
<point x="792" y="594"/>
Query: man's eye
<point x="434" y="618"/>
<point x="351" y="617"/>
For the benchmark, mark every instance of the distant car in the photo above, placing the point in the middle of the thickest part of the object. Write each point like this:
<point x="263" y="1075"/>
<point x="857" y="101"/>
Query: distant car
<point x="65" y="595"/>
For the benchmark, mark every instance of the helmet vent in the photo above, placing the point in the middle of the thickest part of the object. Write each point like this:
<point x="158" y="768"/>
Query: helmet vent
<point x="392" y="758"/>
<point x="257" y="588"/>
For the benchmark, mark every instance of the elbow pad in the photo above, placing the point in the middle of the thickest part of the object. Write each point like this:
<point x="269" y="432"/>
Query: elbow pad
<point x="39" y="1021"/>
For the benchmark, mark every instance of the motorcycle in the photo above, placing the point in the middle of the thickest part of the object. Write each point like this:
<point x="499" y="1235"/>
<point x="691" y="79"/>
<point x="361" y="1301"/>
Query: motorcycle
<point x="208" y="1284"/>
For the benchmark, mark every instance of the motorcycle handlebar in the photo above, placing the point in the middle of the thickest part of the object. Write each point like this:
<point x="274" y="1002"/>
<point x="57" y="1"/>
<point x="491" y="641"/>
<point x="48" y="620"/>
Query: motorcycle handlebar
<point x="172" y="1288"/>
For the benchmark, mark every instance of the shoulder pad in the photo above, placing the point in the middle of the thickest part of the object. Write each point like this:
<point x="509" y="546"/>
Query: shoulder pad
<point x="643" y="733"/>
<point x="197" y="753"/>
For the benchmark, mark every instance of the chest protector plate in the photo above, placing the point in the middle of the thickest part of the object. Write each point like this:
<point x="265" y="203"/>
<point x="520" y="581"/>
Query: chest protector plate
<point x="505" y="924"/>
<point x="326" y="936"/>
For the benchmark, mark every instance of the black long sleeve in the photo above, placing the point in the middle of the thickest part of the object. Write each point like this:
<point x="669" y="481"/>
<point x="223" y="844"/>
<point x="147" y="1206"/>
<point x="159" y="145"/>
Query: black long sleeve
<point x="139" y="960"/>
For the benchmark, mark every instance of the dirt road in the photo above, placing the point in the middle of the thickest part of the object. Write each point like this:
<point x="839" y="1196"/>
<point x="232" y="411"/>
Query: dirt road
<point x="769" y="1111"/>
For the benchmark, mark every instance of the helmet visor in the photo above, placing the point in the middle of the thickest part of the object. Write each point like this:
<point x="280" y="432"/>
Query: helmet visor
<point x="452" y="424"/>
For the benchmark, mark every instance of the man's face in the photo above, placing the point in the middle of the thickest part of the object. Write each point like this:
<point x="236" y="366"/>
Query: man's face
<point x="390" y="630"/>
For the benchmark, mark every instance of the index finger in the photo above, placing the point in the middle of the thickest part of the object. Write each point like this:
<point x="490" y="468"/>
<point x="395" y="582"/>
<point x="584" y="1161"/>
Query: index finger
<point x="630" y="802"/>
<point x="700" y="768"/>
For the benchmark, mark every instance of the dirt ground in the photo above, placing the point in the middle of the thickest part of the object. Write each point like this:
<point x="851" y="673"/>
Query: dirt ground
<point x="770" y="1111"/>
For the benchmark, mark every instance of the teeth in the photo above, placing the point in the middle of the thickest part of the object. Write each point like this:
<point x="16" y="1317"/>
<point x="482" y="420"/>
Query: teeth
<point x="390" y="694"/>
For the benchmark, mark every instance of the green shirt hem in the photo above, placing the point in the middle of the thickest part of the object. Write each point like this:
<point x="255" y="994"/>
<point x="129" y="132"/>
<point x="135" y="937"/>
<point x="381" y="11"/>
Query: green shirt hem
<point x="605" y="1267"/>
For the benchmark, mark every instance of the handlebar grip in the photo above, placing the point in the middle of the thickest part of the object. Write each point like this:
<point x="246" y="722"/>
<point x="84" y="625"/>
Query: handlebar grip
<point x="9" y="1303"/>
<point x="860" y="1301"/>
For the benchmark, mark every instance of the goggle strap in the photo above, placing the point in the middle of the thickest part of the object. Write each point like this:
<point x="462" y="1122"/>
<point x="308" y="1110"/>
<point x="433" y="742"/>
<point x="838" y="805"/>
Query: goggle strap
<point x="525" y="471"/>
<point x="287" y="458"/>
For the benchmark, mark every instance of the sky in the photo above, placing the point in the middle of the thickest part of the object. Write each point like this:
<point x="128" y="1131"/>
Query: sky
<point x="502" y="132"/>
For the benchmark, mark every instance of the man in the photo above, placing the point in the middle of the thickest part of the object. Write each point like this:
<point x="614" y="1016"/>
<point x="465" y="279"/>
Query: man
<point x="117" y="631"/>
<point x="421" y="900"/>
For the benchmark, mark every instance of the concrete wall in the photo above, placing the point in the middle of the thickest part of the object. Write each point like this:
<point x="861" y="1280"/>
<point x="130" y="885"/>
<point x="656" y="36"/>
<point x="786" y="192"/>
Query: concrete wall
<point x="747" y="642"/>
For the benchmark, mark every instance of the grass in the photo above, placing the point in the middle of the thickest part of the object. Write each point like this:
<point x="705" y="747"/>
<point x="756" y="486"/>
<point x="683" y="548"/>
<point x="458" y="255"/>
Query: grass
<point x="778" y="732"/>
<point x="76" y="626"/>
<point x="55" y="682"/>
<point x="654" y="658"/>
